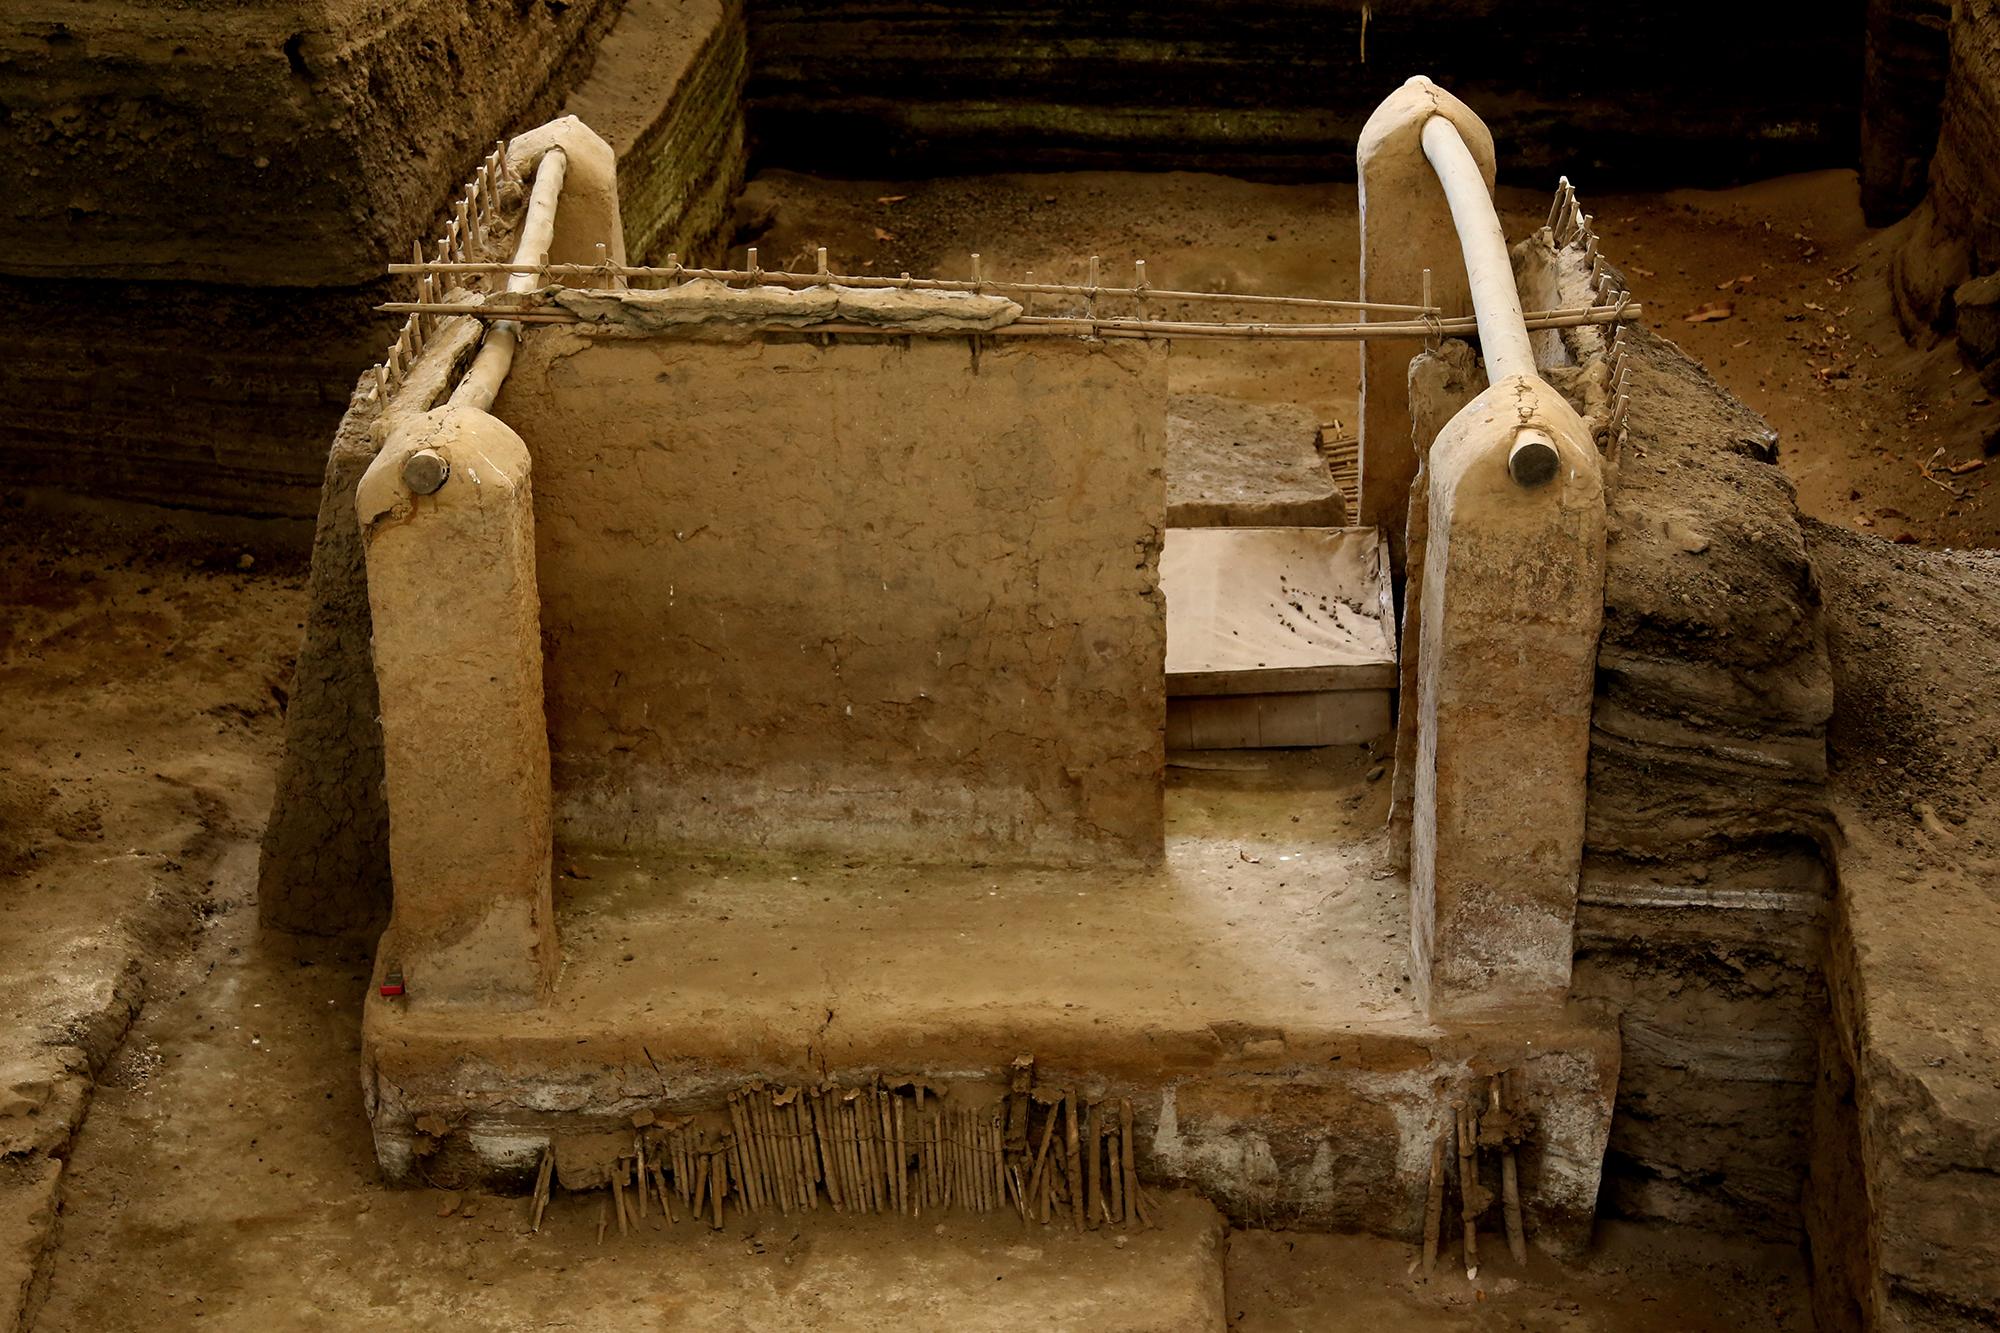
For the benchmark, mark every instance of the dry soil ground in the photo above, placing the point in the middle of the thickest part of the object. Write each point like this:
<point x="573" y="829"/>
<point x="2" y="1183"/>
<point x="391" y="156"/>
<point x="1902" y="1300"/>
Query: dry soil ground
<point x="224" y="1176"/>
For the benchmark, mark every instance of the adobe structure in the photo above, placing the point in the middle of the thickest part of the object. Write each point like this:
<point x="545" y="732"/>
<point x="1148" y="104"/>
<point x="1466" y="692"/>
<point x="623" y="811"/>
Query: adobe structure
<point x="600" y="651"/>
<point x="773" y="674"/>
<point x="800" y="738"/>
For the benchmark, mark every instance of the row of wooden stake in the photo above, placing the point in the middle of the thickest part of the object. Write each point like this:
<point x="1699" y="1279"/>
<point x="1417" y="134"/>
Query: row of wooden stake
<point x="1569" y="225"/>
<point x="875" y="1150"/>
<point x="464" y="240"/>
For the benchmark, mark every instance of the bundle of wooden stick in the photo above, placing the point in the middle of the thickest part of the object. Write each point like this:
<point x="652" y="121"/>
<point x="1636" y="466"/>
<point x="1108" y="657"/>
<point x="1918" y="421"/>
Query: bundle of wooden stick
<point x="1498" y="1124"/>
<point x="895" y="1146"/>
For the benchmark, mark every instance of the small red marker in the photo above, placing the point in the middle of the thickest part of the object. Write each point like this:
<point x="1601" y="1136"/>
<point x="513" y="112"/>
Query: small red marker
<point x="392" y="984"/>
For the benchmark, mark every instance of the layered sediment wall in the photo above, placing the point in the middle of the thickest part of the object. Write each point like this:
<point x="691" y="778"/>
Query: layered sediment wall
<point x="1953" y="240"/>
<point x="207" y="193"/>
<point x="1281" y="89"/>
<point x="206" y="197"/>
<point x="1702" y="911"/>
<point x="1905" y="1178"/>
<point x="666" y="93"/>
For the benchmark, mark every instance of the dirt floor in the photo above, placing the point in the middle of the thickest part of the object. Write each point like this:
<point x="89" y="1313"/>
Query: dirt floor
<point x="225" y="1177"/>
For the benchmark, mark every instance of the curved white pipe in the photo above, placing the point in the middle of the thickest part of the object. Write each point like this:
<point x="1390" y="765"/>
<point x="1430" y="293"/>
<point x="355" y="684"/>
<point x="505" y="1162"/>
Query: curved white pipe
<point x="1496" y="301"/>
<point x="488" y="371"/>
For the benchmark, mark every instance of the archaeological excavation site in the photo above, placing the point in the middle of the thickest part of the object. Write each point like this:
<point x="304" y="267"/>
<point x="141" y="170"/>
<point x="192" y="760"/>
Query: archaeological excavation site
<point x="817" y="664"/>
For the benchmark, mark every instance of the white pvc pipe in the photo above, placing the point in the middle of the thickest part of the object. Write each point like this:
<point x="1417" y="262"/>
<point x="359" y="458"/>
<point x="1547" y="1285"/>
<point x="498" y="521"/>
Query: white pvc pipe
<point x="1496" y="301"/>
<point x="488" y="371"/>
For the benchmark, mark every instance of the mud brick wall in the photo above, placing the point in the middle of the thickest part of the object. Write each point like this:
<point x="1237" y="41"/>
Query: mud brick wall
<point x="1657" y="93"/>
<point x="879" y="599"/>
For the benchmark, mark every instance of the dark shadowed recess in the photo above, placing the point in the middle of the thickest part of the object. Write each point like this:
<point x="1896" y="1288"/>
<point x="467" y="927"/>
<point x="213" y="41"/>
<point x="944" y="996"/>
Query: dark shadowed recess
<point x="1646" y="93"/>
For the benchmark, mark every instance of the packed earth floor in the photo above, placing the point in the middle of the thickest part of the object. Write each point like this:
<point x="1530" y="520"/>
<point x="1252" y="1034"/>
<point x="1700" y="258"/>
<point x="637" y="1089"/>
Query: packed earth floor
<point x="186" y="1145"/>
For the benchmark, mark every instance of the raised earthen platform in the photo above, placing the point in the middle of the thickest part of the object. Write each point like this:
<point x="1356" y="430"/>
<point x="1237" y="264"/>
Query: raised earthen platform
<point x="1249" y="995"/>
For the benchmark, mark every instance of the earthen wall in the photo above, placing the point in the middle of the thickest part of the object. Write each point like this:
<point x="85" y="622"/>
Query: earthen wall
<point x="875" y="598"/>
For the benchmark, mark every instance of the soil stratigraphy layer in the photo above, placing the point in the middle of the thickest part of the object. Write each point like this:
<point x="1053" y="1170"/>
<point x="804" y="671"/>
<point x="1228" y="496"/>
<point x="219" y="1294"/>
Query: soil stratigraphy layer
<point x="1281" y="89"/>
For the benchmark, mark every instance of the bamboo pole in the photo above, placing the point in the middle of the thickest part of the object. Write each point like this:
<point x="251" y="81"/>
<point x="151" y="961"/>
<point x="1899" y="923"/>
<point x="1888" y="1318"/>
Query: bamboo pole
<point x="541" y="1202"/>
<point x="1125" y="1160"/>
<point x="1468" y="1187"/>
<point x="1073" y="1174"/>
<point x="1062" y="326"/>
<point x="1434" y="1204"/>
<point x="666" y="1198"/>
<point x="902" y="1154"/>
<point x="829" y="1169"/>
<point x="1093" y="1145"/>
<point x="903" y="283"/>
<point x="639" y="1151"/>
<point x="753" y="1186"/>
<point x="1510" y="1186"/>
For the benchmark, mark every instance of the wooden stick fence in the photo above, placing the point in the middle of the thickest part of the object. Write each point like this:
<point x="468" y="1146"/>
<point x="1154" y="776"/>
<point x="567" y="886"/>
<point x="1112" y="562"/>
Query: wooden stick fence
<point x="1341" y="453"/>
<point x="882" y="1148"/>
<point x="465" y="234"/>
<point x="677" y="273"/>
<point x="1569" y="226"/>
<point x="1061" y="326"/>
<point x="472" y="217"/>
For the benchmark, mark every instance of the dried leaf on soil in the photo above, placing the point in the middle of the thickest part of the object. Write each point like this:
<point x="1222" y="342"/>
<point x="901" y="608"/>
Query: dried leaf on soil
<point x="1709" y="313"/>
<point x="881" y="235"/>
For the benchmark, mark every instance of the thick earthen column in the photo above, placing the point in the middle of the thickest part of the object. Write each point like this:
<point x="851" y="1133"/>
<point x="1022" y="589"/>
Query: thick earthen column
<point x="1511" y="602"/>
<point x="1406" y="227"/>
<point x="449" y="533"/>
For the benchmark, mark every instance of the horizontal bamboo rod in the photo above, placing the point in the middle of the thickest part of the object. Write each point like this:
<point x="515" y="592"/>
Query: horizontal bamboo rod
<point x="784" y="279"/>
<point x="1049" y="326"/>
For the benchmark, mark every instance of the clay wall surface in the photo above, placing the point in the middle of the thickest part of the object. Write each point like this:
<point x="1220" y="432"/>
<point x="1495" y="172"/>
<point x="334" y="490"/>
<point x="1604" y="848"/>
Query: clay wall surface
<point x="1705" y="893"/>
<point x="1664" y="92"/>
<point x="883" y="599"/>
